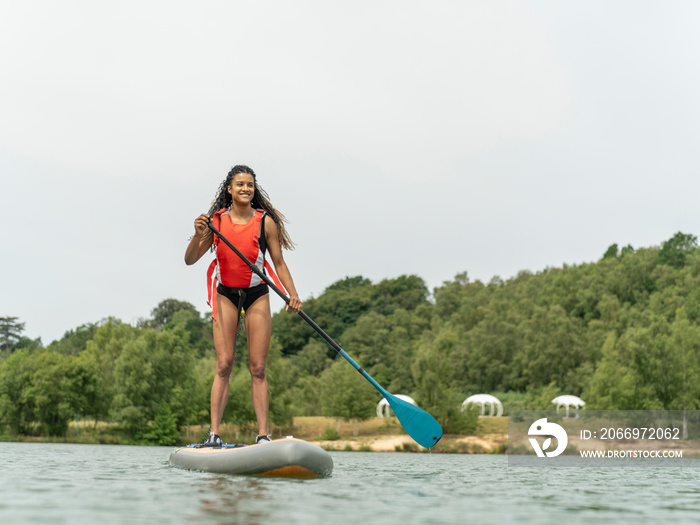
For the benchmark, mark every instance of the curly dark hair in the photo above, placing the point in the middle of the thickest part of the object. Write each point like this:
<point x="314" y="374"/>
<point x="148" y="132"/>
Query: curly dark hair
<point x="260" y="200"/>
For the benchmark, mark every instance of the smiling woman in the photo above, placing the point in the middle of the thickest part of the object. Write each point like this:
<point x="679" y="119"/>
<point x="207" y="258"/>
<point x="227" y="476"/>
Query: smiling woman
<point x="243" y="212"/>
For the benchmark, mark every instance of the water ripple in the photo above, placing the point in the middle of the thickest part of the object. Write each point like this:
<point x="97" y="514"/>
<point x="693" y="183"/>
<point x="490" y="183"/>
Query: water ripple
<point x="76" y="484"/>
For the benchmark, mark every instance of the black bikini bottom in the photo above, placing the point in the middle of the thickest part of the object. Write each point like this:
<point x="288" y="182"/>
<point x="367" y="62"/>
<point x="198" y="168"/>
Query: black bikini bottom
<point x="243" y="297"/>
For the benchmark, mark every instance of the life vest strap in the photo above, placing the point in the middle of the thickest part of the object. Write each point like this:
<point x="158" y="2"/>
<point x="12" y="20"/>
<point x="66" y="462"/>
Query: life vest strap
<point x="212" y="282"/>
<point x="274" y="277"/>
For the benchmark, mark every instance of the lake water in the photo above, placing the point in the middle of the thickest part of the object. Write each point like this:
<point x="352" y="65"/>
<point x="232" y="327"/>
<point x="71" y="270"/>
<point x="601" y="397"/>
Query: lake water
<point x="102" y="484"/>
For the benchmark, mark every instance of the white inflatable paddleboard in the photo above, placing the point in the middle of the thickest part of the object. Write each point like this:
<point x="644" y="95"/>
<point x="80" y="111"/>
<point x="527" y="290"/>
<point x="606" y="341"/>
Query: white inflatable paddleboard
<point x="281" y="457"/>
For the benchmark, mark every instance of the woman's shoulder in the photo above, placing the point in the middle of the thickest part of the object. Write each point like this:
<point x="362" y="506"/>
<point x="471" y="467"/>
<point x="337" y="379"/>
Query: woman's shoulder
<point x="269" y="224"/>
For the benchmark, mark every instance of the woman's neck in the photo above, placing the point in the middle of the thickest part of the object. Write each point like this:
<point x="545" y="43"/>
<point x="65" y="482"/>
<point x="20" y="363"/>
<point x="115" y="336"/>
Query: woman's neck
<point x="242" y="211"/>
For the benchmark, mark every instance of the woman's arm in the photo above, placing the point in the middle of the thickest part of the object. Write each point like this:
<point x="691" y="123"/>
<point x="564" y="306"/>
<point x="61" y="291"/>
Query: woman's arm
<point x="200" y="242"/>
<point x="275" y="249"/>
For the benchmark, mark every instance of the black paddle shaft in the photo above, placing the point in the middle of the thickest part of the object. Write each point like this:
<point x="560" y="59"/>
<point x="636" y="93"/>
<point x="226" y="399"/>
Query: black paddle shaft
<point x="420" y="425"/>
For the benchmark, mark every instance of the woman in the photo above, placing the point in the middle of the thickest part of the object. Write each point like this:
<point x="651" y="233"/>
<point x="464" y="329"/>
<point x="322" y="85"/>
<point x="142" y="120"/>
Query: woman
<point x="243" y="214"/>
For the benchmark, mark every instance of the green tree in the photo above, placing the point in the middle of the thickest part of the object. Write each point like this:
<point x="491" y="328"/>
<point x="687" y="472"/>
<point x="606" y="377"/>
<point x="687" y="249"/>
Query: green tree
<point x="461" y="420"/>
<point x="311" y="361"/>
<point x="54" y="391"/>
<point x="682" y="355"/>
<point x="16" y="407"/>
<point x="10" y="333"/>
<point x="345" y="394"/>
<point x="369" y="342"/>
<point x="163" y="430"/>
<point x="432" y="368"/>
<point x="199" y="396"/>
<point x="404" y="330"/>
<point x="239" y="405"/>
<point x="279" y="380"/>
<point x="611" y="252"/>
<point x="648" y="346"/>
<point x="614" y="382"/>
<point x="199" y="330"/>
<point x="166" y="310"/>
<point x="483" y="362"/>
<point x="75" y="341"/>
<point x="98" y="361"/>
<point x="450" y="296"/>
<point x="334" y="311"/>
<point x="540" y="397"/>
<point x="627" y="250"/>
<point x="406" y="291"/>
<point x="552" y="350"/>
<point x="41" y="387"/>
<point x="631" y="278"/>
<point x="308" y="397"/>
<point x="146" y="374"/>
<point x="29" y="344"/>
<point x="675" y="250"/>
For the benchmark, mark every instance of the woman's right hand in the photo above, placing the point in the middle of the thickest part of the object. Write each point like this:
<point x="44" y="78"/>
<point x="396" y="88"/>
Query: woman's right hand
<point x="200" y="224"/>
<point x="200" y="242"/>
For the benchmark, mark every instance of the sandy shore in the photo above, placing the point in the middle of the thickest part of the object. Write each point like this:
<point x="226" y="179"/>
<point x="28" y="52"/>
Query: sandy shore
<point x="386" y="435"/>
<point x="489" y="443"/>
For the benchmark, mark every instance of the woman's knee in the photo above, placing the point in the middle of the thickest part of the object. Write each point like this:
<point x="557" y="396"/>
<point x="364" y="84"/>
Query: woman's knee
<point x="257" y="371"/>
<point x="224" y="367"/>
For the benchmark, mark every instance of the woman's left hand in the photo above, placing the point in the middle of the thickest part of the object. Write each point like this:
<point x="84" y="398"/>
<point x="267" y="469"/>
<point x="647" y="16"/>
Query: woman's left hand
<point x="294" y="304"/>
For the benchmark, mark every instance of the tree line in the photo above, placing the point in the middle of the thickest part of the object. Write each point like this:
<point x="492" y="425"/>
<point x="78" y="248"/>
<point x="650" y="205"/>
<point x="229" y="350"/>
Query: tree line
<point x="622" y="332"/>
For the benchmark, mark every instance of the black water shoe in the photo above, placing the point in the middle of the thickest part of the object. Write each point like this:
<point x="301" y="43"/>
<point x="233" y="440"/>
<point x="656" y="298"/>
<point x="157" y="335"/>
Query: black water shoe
<point x="210" y="440"/>
<point x="262" y="439"/>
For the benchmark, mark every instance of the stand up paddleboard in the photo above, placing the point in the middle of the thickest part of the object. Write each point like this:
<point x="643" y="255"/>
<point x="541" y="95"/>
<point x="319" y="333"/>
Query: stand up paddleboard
<point x="283" y="457"/>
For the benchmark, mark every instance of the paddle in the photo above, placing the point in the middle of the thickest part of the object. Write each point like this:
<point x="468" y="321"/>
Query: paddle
<point x="420" y="425"/>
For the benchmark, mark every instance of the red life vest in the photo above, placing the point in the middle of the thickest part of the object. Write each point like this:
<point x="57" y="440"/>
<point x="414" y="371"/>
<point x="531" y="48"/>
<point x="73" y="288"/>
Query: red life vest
<point x="228" y="268"/>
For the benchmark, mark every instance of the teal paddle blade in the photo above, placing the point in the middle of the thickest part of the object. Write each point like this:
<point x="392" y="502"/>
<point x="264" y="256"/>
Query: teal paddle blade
<point x="421" y="426"/>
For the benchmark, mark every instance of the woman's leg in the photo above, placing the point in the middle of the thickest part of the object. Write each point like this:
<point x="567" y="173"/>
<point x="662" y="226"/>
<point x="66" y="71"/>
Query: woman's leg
<point x="257" y="328"/>
<point x="225" y="329"/>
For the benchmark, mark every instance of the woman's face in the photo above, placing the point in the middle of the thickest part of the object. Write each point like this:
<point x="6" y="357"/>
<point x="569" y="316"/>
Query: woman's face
<point x="242" y="188"/>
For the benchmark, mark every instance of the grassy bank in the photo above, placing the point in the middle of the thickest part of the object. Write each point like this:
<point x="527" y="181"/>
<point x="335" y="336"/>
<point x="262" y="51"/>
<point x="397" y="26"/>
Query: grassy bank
<point x="375" y="434"/>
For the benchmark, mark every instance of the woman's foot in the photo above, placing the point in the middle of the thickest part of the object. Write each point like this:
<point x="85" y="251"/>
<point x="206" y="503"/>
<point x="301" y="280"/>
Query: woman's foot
<point x="210" y="440"/>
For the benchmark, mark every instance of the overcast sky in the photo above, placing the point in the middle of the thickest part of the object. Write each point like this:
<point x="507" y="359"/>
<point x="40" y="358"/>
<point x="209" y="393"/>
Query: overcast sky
<point x="398" y="137"/>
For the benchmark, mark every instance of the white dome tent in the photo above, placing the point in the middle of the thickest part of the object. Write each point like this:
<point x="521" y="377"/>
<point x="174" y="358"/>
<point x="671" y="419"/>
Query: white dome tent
<point x="484" y="400"/>
<point x="568" y="401"/>
<point x="384" y="410"/>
